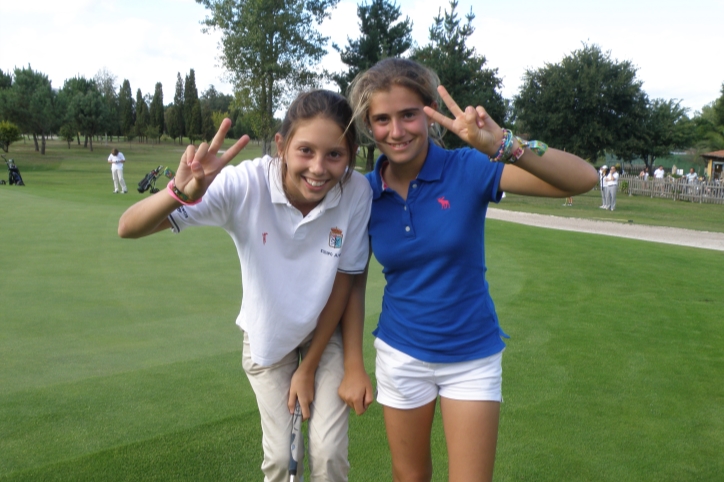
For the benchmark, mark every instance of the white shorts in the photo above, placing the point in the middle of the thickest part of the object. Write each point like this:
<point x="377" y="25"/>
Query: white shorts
<point x="405" y="382"/>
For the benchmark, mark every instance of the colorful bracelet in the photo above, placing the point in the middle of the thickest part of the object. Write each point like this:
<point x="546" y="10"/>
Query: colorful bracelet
<point x="179" y="195"/>
<point x="507" y="155"/>
<point x="506" y="145"/>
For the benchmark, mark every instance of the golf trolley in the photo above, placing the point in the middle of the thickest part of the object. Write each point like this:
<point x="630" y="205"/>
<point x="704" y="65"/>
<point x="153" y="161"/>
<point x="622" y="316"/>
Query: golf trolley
<point x="14" y="176"/>
<point x="148" y="183"/>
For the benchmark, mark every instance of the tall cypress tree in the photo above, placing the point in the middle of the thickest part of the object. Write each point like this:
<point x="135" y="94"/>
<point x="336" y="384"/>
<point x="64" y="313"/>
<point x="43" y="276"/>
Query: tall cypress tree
<point x="178" y="102"/>
<point x="142" y="115"/>
<point x="126" y="108"/>
<point x="156" y="109"/>
<point x="191" y="95"/>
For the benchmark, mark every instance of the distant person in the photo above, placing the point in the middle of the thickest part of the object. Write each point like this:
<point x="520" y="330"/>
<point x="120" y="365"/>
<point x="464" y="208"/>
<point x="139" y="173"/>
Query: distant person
<point x="659" y="173"/>
<point x="611" y="188"/>
<point x="692" y="177"/>
<point x="569" y="201"/>
<point x="646" y="174"/>
<point x="602" y="185"/>
<point x="116" y="161"/>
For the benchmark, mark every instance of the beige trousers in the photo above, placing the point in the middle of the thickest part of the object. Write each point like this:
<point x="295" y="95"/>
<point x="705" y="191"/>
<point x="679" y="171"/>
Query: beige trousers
<point x="327" y="426"/>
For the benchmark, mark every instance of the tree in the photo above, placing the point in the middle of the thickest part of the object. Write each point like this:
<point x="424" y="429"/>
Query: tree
<point x="382" y="35"/>
<point x="460" y="68"/>
<point x="709" y="125"/>
<point x="215" y="101"/>
<point x="126" y="108"/>
<point x="30" y="103"/>
<point x="67" y="133"/>
<point x="269" y="47"/>
<point x="195" y="126"/>
<point x="9" y="133"/>
<point x="143" y="117"/>
<point x="88" y="110"/>
<point x="207" y="123"/>
<point x="106" y="83"/>
<point x="6" y="80"/>
<point x="586" y="104"/>
<point x="178" y="102"/>
<point x="172" y="123"/>
<point x="156" y="110"/>
<point x="191" y="95"/>
<point x="664" y="127"/>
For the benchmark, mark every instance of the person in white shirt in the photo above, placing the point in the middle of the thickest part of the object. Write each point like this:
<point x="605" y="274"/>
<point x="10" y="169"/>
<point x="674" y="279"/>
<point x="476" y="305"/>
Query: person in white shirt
<point x="659" y="172"/>
<point x="691" y="177"/>
<point x="602" y="185"/>
<point x="116" y="160"/>
<point x="299" y="223"/>
<point x="611" y="188"/>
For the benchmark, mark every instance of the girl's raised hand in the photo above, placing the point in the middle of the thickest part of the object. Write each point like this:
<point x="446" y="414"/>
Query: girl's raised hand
<point x="199" y="167"/>
<point x="473" y="125"/>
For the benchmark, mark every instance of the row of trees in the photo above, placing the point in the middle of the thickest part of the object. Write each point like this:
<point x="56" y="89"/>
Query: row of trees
<point x="589" y="103"/>
<point x="93" y="107"/>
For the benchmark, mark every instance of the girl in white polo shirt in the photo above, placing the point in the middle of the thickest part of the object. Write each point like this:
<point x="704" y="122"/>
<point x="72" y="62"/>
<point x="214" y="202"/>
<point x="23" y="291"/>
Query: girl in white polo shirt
<point x="299" y="223"/>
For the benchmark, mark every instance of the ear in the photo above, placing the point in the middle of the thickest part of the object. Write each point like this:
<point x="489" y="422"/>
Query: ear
<point x="279" y="141"/>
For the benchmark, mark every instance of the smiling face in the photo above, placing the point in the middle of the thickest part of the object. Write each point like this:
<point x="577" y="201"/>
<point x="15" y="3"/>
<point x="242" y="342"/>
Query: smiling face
<point x="399" y="126"/>
<point x="316" y="157"/>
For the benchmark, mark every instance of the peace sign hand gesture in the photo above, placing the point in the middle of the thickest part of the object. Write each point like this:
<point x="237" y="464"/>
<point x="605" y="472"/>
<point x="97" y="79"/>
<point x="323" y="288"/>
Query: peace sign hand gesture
<point x="473" y="125"/>
<point x="199" y="167"/>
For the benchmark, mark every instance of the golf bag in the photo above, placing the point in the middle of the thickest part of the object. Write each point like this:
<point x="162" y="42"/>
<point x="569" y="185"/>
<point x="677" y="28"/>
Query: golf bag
<point x="14" y="176"/>
<point x="148" y="183"/>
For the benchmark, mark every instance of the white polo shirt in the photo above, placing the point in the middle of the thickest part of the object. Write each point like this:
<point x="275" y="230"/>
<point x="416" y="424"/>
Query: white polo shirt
<point x="288" y="262"/>
<point x="116" y="164"/>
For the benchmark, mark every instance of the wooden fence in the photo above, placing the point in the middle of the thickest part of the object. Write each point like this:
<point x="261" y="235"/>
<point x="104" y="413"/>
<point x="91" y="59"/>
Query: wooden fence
<point x="677" y="189"/>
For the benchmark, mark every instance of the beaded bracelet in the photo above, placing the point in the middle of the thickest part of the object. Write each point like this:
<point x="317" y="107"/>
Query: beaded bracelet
<point x="179" y="195"/>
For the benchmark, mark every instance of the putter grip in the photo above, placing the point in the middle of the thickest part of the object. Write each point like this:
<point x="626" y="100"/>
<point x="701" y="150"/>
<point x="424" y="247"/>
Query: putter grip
<point x="296" y="443"/>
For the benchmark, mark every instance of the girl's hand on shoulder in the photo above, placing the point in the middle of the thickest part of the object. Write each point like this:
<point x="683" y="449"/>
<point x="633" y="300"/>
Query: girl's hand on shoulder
<point x="199" y="167"/>
<point x="473" y="125"/>
<point x="302" y="389"/>
<point x="356" y="390"/>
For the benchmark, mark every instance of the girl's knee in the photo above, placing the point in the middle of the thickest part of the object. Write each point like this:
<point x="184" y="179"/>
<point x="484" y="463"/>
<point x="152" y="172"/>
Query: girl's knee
<point x="328" y="461"/>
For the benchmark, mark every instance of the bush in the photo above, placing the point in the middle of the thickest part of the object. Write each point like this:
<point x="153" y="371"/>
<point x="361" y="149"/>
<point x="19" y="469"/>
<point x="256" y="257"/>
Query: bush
<point x="9" y="133"/>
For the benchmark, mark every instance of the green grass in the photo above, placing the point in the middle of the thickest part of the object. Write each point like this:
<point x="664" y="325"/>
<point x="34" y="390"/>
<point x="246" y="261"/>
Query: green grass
<point x="120" y="360"/>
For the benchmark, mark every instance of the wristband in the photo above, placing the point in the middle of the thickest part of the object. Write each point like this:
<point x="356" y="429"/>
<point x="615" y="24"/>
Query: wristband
<point x="506" y="153"/>
<point x="179" y="195"/>
<point x="506" y="145"/>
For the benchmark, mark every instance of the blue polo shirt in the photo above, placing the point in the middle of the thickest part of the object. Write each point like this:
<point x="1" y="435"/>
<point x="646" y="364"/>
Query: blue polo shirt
<point x="436" y="305"/>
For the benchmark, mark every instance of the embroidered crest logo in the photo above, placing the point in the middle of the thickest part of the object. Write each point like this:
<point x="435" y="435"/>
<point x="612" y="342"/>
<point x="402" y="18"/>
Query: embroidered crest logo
<point x="335" y="238"/>
<point x="263" y="237"/>
<point x="444" y="203"/>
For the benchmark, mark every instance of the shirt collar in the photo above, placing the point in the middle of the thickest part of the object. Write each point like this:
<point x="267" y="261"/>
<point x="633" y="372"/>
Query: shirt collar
<point x="431" y="170"/>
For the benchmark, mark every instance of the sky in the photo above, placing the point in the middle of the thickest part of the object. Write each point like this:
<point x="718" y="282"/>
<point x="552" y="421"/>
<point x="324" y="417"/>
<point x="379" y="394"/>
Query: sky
<point x="676" y="47"/>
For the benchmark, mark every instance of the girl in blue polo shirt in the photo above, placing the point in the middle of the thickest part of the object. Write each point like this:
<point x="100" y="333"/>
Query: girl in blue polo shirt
<point x="299" y="223"/>
<point x="438" y="333"/>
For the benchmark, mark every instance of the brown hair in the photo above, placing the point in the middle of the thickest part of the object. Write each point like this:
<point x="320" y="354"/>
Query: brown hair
<point x="115" y="152"/>
<point x="382" y="77"/>
<point x="324" y="104"/>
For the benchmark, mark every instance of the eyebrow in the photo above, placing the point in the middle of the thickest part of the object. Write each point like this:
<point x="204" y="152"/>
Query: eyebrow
<point x="403" y="111"/>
